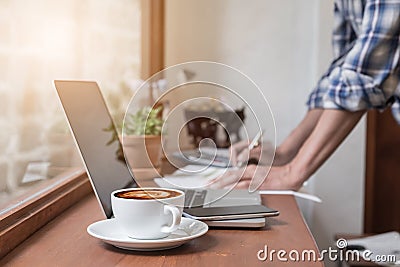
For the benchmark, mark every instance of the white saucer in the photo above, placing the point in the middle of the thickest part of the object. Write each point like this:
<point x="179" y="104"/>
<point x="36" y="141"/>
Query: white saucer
<point x="109" y="232"/>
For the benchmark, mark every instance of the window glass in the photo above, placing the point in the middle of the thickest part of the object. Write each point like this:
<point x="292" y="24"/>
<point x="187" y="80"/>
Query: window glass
<point x="43" y="40"/>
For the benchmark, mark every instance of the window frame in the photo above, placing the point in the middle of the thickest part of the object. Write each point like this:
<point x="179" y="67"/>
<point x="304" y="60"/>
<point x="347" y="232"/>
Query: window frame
<point x="31" y="212"/>
<point x="51" y="198"/>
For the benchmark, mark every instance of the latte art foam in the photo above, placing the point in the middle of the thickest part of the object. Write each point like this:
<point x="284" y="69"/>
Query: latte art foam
<point x="147" y="194"/>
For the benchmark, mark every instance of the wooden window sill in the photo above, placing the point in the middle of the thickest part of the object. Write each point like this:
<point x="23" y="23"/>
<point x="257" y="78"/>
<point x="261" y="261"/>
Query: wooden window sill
<point x="28" y="213"/>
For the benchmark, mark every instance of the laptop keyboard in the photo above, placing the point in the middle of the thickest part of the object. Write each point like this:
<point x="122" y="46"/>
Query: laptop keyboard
<point x="194" y="198"/>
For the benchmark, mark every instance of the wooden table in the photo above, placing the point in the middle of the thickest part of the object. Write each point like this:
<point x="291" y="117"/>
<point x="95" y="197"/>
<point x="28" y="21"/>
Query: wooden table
<point x="64" y="242"/>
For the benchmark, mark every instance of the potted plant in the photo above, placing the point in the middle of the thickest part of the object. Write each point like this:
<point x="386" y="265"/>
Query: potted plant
<point x="142" y="138"/>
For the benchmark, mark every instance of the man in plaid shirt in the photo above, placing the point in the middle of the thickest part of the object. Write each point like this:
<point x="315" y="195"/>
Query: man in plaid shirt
<point x="364" y="75"/>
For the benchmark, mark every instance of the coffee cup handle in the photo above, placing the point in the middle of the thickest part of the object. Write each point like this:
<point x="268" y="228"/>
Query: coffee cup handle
<point x="176" y="219"/>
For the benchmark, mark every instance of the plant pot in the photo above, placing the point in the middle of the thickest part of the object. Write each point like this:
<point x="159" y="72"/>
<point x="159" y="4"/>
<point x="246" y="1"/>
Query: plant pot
<point x="142" y="151"/>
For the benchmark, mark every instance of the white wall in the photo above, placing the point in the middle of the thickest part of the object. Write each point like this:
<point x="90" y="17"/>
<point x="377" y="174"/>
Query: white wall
<point x="340" y="181"/>
<point x="270" y="41"/>
<point x="283" y="46"/>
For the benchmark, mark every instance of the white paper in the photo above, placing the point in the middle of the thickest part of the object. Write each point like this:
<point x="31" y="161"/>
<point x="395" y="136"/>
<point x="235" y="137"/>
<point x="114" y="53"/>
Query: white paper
<point x="290" y="192"/>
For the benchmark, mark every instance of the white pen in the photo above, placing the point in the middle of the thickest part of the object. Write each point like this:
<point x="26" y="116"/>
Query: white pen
<point x="255" y="142"/>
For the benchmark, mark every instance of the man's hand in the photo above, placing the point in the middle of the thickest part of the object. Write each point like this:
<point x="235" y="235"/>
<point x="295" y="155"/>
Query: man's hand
<point x="240" y="153"/>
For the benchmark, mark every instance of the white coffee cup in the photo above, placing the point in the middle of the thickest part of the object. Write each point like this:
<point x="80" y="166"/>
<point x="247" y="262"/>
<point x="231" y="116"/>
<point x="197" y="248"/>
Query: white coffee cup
<point x="148" y="213"/>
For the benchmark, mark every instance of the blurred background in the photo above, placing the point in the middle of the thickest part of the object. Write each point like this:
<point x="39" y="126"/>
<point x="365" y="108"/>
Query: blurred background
<point x="46" y="40"/>
<point x="283" y="46"/>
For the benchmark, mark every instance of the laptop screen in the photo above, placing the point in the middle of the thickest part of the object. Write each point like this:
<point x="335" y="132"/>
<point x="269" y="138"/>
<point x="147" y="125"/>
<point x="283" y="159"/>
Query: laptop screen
<point x="96" y="138"/>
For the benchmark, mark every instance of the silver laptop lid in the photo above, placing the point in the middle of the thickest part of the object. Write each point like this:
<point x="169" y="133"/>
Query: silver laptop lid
<point x="96" y="138"/>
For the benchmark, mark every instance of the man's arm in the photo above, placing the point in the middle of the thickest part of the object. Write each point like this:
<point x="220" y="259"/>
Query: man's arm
<point x="291" y="145"/>
<point x="331" y="129"/>
<point x="285" y="151"/>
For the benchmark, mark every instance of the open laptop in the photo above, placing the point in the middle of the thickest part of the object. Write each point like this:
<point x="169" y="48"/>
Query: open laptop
<point x="92" y="128"/>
